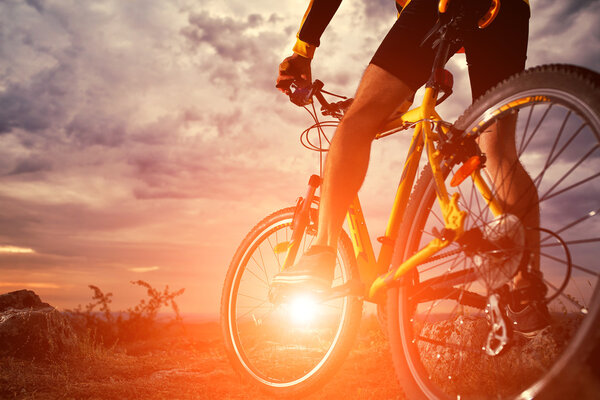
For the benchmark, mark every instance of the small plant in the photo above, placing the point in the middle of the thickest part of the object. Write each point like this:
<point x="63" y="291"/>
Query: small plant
<point x="138" y="322"/>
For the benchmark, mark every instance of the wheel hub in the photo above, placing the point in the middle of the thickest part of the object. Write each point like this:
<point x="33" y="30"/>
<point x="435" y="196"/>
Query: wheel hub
<point x="502" y="250"/>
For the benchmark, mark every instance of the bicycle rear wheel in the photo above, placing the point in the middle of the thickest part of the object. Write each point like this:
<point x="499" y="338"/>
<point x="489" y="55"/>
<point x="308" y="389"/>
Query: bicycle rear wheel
<point x="285" y="349"/>
<point x="437" y="325"/>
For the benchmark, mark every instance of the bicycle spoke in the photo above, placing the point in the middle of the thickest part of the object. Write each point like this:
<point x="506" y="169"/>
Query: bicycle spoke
<point x="550" y="161"/>
<point x="523" y="144"/>
<point x="263" y="263"/>
<point x="571" y="242"/>
<point x="257" y="277"/>
<point x="570" y="299"/>
<point x="526" y="128"/>
<point x="449" y="345"/>
<point x="249" y="311"/>
<point x="252" y="297"/>
<point x="575" y="266"/>
<point x="548" y="193"/>
<point x="556" y="141"/>
<point x="573" y="224"/>
<point x="568" y="142"/>
<point x="274" y="340"/>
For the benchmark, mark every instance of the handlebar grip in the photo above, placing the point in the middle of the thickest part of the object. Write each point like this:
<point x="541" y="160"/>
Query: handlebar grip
<point x="285" y="84"/>
<point x="301" y="96"/>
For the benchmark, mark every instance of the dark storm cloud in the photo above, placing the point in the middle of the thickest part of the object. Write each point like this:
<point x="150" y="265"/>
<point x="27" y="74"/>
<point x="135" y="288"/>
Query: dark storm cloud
<point x="246" y="48"/>
<point x="88" y="128"/>
<point x="566" y="32"/>
<point x="38" y="104"/>
<point x="31" y="164"/>
<point x="224" y="34"/>
<point x="37" y="4"/>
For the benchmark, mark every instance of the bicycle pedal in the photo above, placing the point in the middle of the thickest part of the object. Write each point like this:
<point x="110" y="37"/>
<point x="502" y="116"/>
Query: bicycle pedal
<point x="353" y="287"/>
<point x="279" y="294"/>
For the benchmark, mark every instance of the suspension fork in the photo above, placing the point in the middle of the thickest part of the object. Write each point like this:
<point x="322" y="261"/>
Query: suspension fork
<point x="301" y="221"/>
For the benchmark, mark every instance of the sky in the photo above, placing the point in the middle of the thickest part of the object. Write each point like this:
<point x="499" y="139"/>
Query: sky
<point x="142" y="139"/>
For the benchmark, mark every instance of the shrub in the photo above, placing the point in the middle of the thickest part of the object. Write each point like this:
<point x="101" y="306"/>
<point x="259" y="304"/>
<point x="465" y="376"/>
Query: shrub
<point x="138" y="322"/>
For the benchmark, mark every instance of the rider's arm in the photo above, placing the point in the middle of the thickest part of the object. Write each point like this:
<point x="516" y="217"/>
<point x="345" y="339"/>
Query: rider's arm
<point x="317" y="17"/>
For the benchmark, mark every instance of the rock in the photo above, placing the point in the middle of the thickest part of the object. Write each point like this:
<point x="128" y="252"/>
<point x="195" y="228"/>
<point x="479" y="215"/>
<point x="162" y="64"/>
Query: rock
<point x="31" y="329"/>
<point x="21" y="299"/>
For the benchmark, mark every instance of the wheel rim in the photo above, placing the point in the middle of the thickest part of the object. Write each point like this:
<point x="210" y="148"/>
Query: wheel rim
<point x="272" y="348"/>
<point x="443" y="339"/>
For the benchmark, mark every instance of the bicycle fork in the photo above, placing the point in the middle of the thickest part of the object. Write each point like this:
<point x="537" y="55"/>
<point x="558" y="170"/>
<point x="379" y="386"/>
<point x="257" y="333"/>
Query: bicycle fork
<point x="301" y="221"/>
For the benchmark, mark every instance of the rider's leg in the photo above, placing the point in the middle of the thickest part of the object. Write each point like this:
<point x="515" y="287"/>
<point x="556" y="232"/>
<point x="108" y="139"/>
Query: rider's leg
<point x="494" y="54"/>
<point x="378" y="95"/>
<point x="519" y="196"/>
<point x="388" y="81"/>
<point x="513" y="184"/>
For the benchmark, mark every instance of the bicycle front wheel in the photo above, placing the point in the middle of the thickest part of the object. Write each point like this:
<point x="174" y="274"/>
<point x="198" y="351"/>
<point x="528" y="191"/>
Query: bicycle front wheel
<point x="437" y="320"/>
<point x="285" y="349"/>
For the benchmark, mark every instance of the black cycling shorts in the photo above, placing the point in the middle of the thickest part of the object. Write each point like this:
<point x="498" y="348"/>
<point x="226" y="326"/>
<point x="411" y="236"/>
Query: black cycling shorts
<point x="493" y="53"/>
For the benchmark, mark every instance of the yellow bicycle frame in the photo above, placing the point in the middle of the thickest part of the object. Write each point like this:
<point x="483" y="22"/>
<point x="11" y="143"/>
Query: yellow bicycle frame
<point x="374" y="271"/>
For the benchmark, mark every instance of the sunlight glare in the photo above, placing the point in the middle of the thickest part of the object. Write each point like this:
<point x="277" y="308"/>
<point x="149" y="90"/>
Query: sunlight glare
<point x="303" y="309"/>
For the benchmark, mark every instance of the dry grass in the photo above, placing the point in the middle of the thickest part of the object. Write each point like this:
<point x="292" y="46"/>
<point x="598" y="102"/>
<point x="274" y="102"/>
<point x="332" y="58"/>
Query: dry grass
<point x="188" y="362"/>
<point x="184" y="363"/>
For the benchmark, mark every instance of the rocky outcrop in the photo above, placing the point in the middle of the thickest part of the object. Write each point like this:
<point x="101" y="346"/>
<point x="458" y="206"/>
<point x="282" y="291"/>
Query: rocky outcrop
<point x="32" y="329"/>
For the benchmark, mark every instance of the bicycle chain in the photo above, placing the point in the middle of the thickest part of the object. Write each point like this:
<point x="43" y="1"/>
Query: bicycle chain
<point x="440" y="256"/>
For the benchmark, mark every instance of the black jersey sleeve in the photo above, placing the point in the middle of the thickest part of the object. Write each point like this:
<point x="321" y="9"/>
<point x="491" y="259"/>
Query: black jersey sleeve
<point x="317" y="17"/>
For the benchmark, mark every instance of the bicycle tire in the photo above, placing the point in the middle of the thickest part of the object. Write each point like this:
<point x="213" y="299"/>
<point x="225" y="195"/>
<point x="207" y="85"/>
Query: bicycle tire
<point x="453" y="367"/>
<point x="286" y="366"/>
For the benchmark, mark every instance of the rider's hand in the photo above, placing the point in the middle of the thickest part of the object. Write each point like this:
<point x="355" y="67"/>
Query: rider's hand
<point x="294" y="69"/>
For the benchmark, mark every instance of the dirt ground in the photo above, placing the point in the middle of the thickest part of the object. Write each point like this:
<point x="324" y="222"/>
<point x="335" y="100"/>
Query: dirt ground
<point x="197" y="368"/>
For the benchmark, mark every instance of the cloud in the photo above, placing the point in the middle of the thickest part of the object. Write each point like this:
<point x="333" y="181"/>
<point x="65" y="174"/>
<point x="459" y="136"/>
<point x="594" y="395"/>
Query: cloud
<point x="32" y="285"/>
<point x="149" y="132"/>
<point x="31" y="164"/>
<point x="144" y="269"/>
<point x="565" y="32"/>
<point x="378" y="10"/>
<point x="236" y="50"/>
<point x="37" y="4"/>
<point x="37" y="106"/>
<point x="16" y="250"/>
<point x="225" y="35"/>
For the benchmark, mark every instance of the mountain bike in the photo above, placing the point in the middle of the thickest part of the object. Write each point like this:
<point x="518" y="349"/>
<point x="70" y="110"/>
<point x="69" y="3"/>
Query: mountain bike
<point x="442" y="278"/>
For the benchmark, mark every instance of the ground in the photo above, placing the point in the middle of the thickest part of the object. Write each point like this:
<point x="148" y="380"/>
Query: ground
<point x="192" y="367"/>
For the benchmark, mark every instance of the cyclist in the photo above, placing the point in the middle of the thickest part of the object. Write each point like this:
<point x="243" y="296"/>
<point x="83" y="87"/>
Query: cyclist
<point x="399" y="67"/>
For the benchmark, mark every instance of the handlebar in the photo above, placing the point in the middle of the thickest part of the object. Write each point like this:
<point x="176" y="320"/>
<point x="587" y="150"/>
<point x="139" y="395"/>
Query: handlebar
<point x="302" y="96"/>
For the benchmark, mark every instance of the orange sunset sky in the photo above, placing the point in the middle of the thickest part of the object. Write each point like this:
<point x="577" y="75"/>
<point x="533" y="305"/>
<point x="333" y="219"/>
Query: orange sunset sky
<point x="142" y="139"/>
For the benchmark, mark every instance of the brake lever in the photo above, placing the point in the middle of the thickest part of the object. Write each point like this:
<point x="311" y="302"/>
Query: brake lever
<point x="301" y="96"/>
<point x="338" y="109"/>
